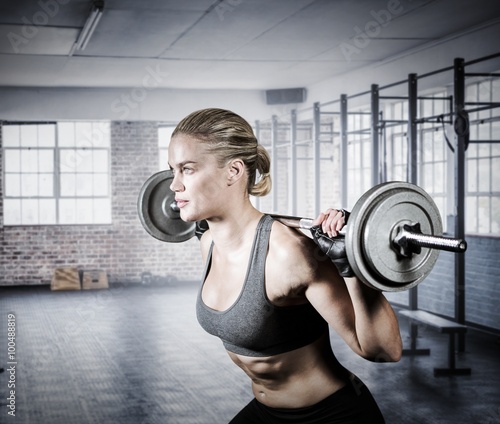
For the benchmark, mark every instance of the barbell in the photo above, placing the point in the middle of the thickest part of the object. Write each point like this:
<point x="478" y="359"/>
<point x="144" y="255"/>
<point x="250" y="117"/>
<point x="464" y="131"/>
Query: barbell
<point x="393" y="236"/>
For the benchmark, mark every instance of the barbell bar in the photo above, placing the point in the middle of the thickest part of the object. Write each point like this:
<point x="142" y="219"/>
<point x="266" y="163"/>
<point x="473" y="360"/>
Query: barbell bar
<point x="393" y="235"/>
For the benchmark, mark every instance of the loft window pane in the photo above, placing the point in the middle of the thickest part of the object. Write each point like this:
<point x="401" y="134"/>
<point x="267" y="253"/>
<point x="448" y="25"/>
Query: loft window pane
<point x="484" y="90"/>
<point x="438" y="147"/>
<point x="427" y="108"/>
<point x="495" y="175"/>
<point x="68" y="185"/>
<point x="483" y="218"/>
<point x="84" y="184"/>
<point x="495" y="130"/>
<point x="105" y="128"/>
<point x="350" y="156"/>
<point x="46" y="160"/>
<point x="438" y="106"/>
<point x="367" y="154"/>
<point x="67" y="160"/>
<point x="164" y="135"/>
<point x="471" y="208"/>
<point x="66" y="134"/>
<point x="471" y="176"/>
<point x="46" y="185"/>
<point x="46" y="135"/>
<point x="102" y="211"/>
<point x="84" y="211"/>
<point x="83" y="134"/>
<point x="100" y="185"/>
<point x="163" y="159"/>
<point x="67" y="211"/>
<point x="471" y="93"/>
<point x="84" y="160"/>
<point x="472" y="151"/>
<point x="428" y="177"/>
<point x="12" y="185"/>
<point x="12" y="160"/>
<point x="29" y="135"/>
<point x="100" y="161"/>
<point x="427" y="147"/>
<point x="100" y="134"/>
<point x="29" y="213"/>
<point x="29" y="160"/>
<point x="12" y="212"/>
<point x="47" y="211"/>
<point x="439" y="178"/>
<point x="11" y="136"/>
<point x="495" y="90"/>
<point x="29" y="185"/>
<point x="484" y="171"/>
<point x="484" y="150"/>
<point x="495" y="215"/>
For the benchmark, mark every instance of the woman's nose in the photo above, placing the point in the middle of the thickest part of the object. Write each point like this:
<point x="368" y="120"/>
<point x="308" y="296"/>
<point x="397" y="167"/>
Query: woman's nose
<point x="176" y="184"/>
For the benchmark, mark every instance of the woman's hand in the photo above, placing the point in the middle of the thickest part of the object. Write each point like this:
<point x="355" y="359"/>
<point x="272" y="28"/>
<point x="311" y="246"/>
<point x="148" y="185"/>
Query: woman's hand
<point x="331" y="221"/>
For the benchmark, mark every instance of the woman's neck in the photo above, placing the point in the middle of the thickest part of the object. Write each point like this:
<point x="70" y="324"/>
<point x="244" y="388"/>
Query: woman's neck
<point x="234" y="229"/>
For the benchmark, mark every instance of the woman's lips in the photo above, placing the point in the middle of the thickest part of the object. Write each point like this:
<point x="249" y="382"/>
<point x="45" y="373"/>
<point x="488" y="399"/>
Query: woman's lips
<point x="181" y="203"/>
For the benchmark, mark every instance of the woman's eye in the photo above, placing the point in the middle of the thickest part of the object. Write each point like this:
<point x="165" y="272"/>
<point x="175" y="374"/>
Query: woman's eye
<point x="186" y="170"/>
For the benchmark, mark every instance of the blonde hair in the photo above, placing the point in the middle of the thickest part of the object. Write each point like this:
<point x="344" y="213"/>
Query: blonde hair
<point x="228" y="136"/>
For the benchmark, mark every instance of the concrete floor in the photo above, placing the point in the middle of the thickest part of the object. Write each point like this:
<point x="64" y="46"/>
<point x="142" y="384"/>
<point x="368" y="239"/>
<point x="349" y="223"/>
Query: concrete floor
<point x="137" y="355"/>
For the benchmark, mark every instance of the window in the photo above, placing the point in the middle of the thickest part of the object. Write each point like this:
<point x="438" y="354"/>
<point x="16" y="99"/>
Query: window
<point x="164" y="135"/>
<point x="56" y="173"/>
<point x="395" y="142"/>
<point x="483" y="161"/>
<point x="433" y="151"/>
<point x="359" y="154"/>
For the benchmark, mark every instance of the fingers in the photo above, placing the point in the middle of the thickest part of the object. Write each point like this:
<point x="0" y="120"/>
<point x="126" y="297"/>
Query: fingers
<point x="331" y="221"/>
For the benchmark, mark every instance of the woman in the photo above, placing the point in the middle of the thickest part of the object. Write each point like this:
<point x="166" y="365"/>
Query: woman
<point x="266" y="290"/>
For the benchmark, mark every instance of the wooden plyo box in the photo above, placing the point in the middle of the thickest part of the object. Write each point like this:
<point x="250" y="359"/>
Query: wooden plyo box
<point x="95" y="279"/>
<point x="65" y="279"/>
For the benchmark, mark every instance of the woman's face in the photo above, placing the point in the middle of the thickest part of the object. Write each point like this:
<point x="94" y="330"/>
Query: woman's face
<point x="199" y="184"/>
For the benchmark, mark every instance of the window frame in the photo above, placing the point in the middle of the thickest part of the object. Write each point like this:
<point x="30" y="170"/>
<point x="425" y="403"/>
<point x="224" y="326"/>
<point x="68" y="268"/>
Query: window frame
<point x="57" y="197"/>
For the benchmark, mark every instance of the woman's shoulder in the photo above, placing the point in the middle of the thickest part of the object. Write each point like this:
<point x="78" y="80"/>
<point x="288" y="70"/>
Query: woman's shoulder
<point x="291" y="248"/>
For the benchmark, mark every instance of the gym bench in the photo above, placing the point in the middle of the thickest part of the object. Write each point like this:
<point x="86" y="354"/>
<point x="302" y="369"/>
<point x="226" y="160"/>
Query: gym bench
<point x="442" y="325"/>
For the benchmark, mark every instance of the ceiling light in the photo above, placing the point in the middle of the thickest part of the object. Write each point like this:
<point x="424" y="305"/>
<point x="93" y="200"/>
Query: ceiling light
<point x="89" y="27"/>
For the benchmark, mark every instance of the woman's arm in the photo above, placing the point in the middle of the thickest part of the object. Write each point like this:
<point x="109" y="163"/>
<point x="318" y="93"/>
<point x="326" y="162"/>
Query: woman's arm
<point x="360" y="315"/>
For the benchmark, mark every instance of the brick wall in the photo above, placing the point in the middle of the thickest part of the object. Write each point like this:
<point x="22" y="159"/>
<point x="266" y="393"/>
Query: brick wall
<point x="482" y="284"/>
<point x="28" y="255"/>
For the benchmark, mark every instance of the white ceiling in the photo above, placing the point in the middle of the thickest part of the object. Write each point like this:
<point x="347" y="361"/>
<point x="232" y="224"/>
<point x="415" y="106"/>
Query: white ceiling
<point x="214" y="44"/>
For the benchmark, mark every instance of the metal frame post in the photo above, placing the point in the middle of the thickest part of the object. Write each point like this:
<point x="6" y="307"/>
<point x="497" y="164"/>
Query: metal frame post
<point x="343" y="150"/>
<point x="274" y="161"/>
<point x="412" y="163"/>
<point x="292" y="187"/>
<point x="412" y="178"/>
<point x="459" y="99"/>
<point x="375" y="109"/>
<point x="412" y="128"/>
<point x="317" y="157"/>
<point x="257" y="136"/>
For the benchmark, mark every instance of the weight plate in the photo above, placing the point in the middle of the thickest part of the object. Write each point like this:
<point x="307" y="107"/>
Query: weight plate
<point x="155" y="211"/>
<point x="371" y="230"/>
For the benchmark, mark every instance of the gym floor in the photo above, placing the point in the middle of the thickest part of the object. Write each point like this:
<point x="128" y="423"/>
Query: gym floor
<point x="135" y="354"/>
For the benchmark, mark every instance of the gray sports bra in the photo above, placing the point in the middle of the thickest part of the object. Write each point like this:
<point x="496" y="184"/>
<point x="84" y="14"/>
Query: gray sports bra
<point x="253" y="326"/>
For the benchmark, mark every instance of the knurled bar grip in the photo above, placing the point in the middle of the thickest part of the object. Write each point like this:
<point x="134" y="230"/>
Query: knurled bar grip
<point x="294" y="221"/>
<point x="435" y="242"/>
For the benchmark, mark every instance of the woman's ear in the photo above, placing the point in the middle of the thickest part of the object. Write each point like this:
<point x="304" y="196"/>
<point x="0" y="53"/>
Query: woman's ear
<point x="236" y="170"/>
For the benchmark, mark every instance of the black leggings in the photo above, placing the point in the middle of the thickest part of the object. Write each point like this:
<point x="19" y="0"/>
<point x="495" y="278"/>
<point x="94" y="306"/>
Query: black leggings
<point x="352" y="404"/>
